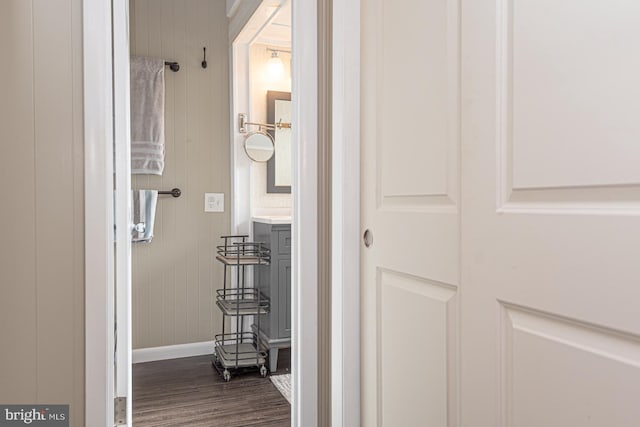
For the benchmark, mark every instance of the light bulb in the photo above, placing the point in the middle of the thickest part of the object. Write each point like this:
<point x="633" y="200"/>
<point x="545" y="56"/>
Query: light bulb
<point x="275" y="66"/>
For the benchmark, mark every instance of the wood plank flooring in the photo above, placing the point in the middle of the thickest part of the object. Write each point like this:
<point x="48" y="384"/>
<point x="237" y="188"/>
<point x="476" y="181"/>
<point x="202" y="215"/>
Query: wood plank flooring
<point x="189" y="392"/>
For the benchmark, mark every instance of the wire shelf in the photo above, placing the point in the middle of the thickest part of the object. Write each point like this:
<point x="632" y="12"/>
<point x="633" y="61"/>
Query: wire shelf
<point x="238" y="350"/>
<point x="242" y="302"/>
<point x="237" y="251"/>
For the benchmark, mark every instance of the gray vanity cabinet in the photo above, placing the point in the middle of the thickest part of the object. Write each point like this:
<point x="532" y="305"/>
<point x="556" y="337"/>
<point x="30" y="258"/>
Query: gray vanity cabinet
<point x="275" y="283"/>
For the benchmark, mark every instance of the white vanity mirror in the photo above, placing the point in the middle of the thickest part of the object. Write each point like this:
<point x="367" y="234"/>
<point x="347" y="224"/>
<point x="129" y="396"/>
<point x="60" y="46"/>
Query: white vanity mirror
<point x="259" y="146"/>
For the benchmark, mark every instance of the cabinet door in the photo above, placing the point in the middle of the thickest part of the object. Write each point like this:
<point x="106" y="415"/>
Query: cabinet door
<point x="284" y="295"/>
<point x="263" y="282"/>
<point x="284" y="242"/>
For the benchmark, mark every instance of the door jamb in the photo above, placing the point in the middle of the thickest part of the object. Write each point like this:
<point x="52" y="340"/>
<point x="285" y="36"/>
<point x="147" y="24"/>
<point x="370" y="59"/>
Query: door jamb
<point x="304" y="192"/>
<point x="346" y="214"/>
<point x="98" y="217"/>
<point x="122" y="200"/>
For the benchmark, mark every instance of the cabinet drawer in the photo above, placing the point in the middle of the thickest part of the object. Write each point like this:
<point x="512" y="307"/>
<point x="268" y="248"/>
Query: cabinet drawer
<point x="284" y="242"/>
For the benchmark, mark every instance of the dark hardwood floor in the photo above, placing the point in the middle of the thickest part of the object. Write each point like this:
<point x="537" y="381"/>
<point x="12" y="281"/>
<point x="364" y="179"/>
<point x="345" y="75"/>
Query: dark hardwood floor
<point x="189" y="392"/>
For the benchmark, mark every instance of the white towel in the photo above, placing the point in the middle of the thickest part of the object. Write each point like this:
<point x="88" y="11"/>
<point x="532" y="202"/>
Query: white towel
<point x="144" y="215"/>
<point x="147" y="115"/>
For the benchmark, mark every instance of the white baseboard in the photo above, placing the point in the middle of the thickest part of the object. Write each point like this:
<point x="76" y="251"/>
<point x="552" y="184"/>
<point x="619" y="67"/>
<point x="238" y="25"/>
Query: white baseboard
<point x="152" y="354"/>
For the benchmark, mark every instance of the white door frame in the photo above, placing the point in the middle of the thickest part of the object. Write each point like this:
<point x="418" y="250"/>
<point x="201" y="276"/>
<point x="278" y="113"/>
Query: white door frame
<point x="100" y="280"/>
<point x="345" y="340"/>
<point x="122" y="177"/>
<point x="99" y="215"/>
<point x="304" y="190"/>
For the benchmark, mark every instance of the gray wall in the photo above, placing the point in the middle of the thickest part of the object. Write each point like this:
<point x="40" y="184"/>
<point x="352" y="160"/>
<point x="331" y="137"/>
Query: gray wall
<point x="42" y="215"/>
<point x="175" y="276"/>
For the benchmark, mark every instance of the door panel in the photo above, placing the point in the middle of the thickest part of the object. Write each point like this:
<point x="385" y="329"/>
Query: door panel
<point x="574" y="373"/>
<point x="415" y="89"/>
<point x="412" y="94"/>
<point x="284" y="291"/>
<point x="416" y="319"/>
<point x="567" y="93"/>
<point x="572" y="92"/>
<point x="550" y="330"/>
<point x="410" y="193"/>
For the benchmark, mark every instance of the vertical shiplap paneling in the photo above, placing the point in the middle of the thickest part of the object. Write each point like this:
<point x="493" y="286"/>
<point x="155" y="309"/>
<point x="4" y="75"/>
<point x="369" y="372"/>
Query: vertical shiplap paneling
<point x="219" y="91"/>
<point x="169" y="218"/>
<point x="77" y="409"/>
<point x="54" y="172"/>
<point x="42" y="227"/>
<point x="17" y="225"/>
<point x="180" y="158"/>
<point x="175" y="276"/>
<point x="156" y="269"/>
<point x="205" y="134"/>
<point x="140" y="274"/>
<point x="192" y="91"/>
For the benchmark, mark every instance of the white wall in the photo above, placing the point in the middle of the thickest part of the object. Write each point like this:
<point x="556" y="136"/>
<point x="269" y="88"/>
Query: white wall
<point x="175" y="276"/>
<point x="261" y="82"/>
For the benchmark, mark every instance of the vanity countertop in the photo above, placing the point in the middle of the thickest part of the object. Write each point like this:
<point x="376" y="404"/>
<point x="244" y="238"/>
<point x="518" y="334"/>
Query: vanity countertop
<point x="272" y="219"/>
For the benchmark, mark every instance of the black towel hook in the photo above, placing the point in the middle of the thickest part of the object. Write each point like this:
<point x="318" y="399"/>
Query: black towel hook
<point x="204" y="57"/>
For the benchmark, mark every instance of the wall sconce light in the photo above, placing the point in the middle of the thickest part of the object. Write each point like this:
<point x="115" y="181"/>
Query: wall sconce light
<point x="275" y="66"/>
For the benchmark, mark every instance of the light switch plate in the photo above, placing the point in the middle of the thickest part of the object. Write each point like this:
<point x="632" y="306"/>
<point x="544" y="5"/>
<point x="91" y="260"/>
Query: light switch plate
<point x="214" y="202"/>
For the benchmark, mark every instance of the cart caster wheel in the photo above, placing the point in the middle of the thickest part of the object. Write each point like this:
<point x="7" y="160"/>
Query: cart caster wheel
<point x="263" y="371"/>
<point x="226" y="375"/>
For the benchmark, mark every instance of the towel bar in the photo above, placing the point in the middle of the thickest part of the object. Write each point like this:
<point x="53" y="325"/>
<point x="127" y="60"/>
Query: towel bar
<point x="176" y="192"/>
<point x="173" y="66"/>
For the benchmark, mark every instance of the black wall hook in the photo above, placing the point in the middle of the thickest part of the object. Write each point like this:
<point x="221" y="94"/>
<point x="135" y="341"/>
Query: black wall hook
<point x="204" y="57"/>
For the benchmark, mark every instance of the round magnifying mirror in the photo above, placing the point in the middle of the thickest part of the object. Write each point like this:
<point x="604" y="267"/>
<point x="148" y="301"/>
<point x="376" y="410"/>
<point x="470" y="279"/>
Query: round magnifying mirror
<point x="259" y="146"/>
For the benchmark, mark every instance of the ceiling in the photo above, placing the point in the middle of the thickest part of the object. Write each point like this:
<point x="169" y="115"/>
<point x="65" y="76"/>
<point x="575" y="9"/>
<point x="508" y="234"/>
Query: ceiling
<point x="278" y="32"/>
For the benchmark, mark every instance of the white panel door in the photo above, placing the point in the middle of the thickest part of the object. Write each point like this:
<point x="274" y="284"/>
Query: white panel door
<point x="513" y="302"/>
<point x="550" y="321"/>
<point x="410" y="205"/>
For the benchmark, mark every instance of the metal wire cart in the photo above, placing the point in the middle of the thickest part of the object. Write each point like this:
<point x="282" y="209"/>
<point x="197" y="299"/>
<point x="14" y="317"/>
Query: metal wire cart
<point x="234" y="348"/>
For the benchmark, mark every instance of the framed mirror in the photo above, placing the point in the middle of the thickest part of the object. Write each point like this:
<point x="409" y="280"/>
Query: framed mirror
<point x="279" y="166"/>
